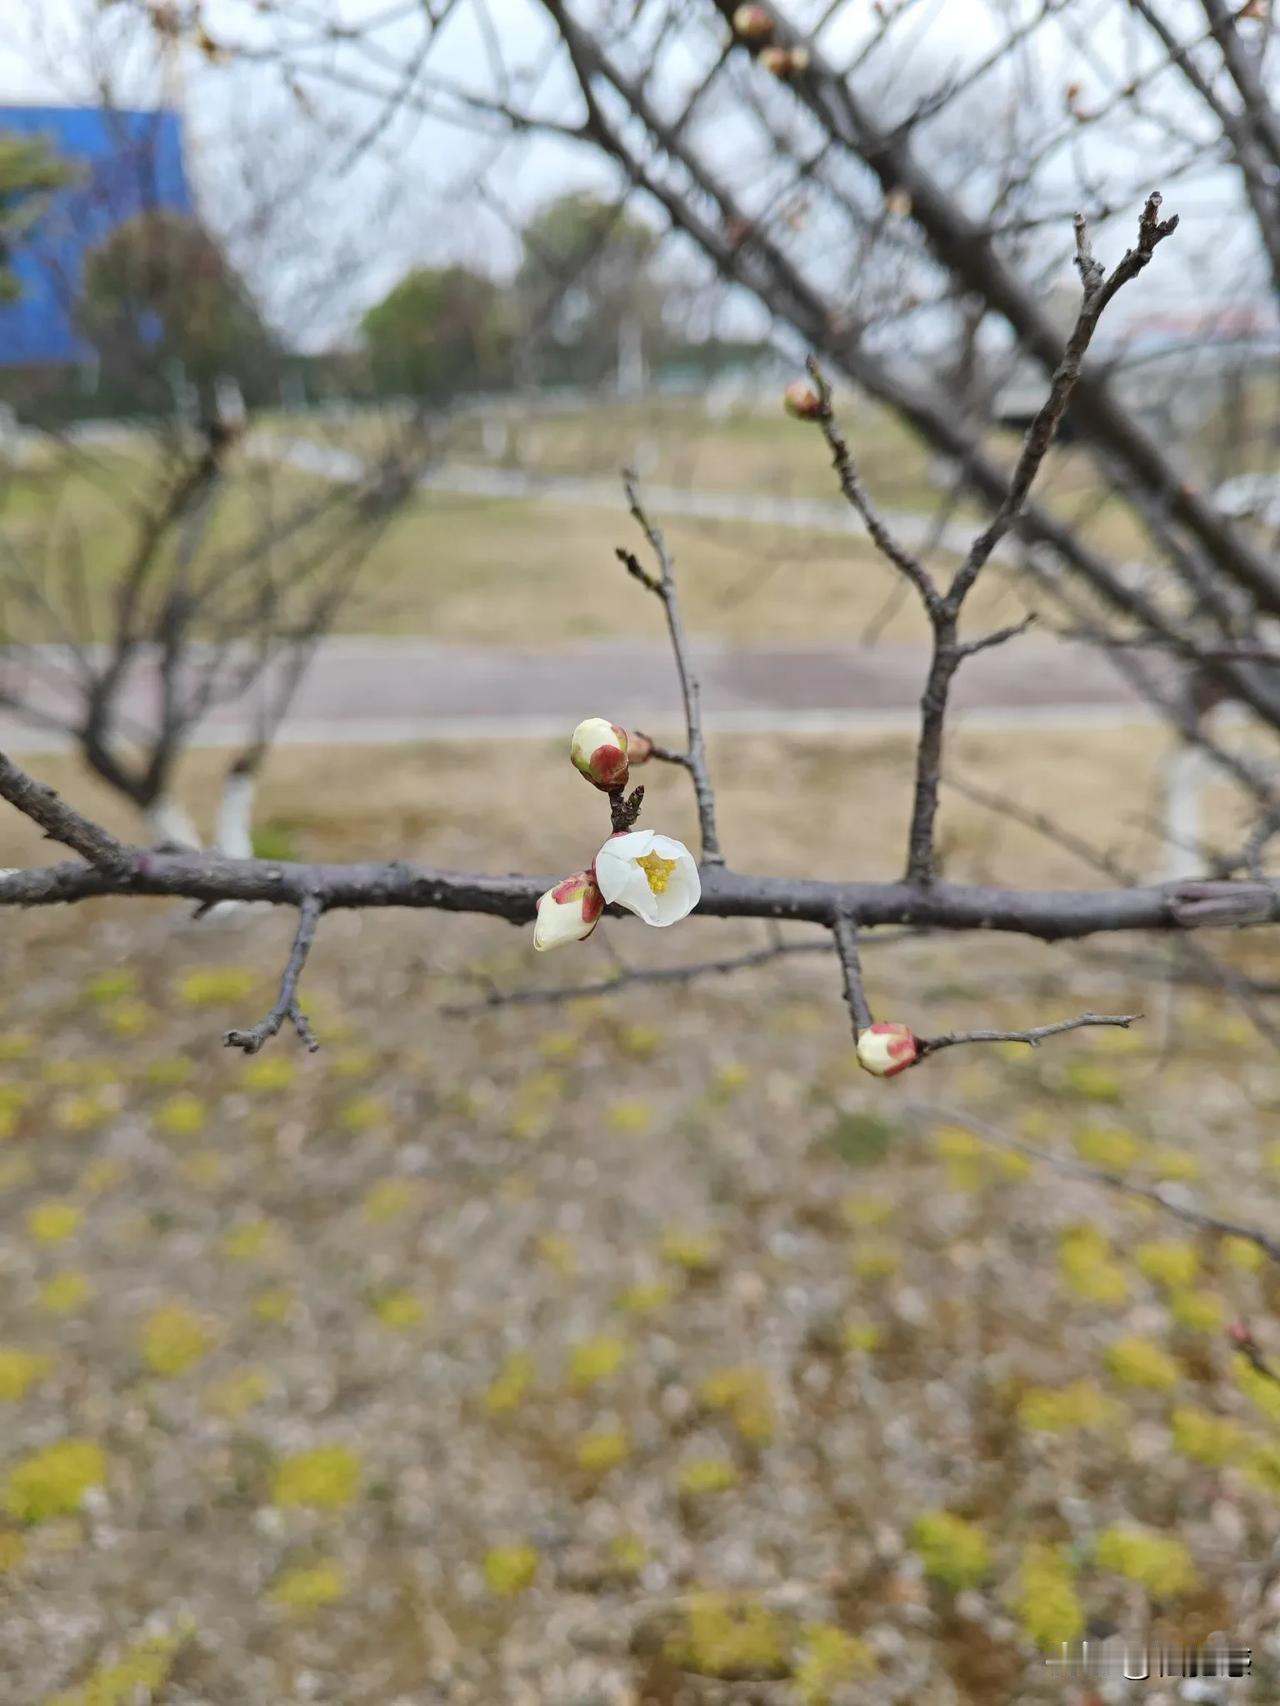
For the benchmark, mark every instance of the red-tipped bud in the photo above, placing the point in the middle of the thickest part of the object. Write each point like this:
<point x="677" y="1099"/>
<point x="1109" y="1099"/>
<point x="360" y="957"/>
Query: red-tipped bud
<point x="752" y="25"/>
<point x="885" y="1050"/>
<point x="1241" y="1336"/>
<point x="599" y="750"/>
<point x="639" y="747"/>
<point x="802" y="402"/>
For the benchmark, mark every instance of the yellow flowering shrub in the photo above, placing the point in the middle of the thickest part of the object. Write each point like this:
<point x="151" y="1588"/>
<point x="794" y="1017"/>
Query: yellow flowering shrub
<point x="1058" y="1409"/>
<point x="65" y="1292"/>
<point x="707" y="1475"/>
<point x="53" y="1222"/>
<point x="630" y="1118"/>
<point x="19" y="1371"/>
<point x="603" y="1450"/>
<point x="1168" y="1262"/>
<point x="236" y="1394"/>
<point x="399" y="1310"/>
<point x="1206" y="1438"/>
<point x="1198" y="1311"/>
<point x="250" y="1240"/>
<point x="181" y="1115"/>
<point x="1260" y="1390"/>
<point x="645" y="1298"/>
<point x="326" y="1478"/>
<point x="830" y="1658"/>
<point x="953" y="1551"/>
<point x="363" y="1113"/>
<point x="1160" y="1562"/>
<point x="509" y="1570"/>
<point x="139" y="1674"/>
<point x="593" y="1361"/>
<point x="53" y="1482"/>
<point x="743" y="1394"/>
<point x="1112" y="1147"/>
<point x="1244" y="1254"/>
<point x="729" y="1636"/>
<point x="861" y="1336"/>
<point x="308" y="1587"/>
<point x="1135" y="1361"/>
<point x="511" y="1384"/>
<point x="695" y="1252"/>
<point x="173" y="1338"/>
<point x="214" y="986"/>
<point x="1089" y="1268"/>
<point x="1048" y="1606"/>
<point x="269" y="1074"/>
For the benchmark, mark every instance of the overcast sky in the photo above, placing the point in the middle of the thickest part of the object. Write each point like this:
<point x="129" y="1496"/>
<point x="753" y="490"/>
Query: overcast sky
<point x="328" y="236"/>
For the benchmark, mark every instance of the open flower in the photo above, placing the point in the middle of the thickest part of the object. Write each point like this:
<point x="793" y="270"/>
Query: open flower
<point x="885" y="1050"/>
<point x="654" y="876"/>
<point x="568" y="913"/>
<point x="599" y="750"/>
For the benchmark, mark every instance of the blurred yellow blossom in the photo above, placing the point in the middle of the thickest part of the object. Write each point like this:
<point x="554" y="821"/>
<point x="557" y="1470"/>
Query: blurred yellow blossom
<point x="53" y="1482"/>
<point x="1136" y="1361"/>
<point x="510" y="1569"/>
<point x="19" y="1371"/>
<point x="173" y="1338"/>
<point x="594" y="1360"/>
<point x="953" y="1551"/>
<point x="707" y="1475"/>
<point x="53" y="1221"/>
<point x="308" y="1587"/>
<point x="1167" y="1262"/>
<point x="326" y="1478"/>
<point x="1048" y="1606"/>
<point x="1159" y="1562"/>
<point x="63" y="1293"/>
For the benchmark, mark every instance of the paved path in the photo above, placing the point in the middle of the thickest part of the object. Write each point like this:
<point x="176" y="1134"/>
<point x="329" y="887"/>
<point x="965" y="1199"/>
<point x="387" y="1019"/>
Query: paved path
<point x="385" y="690"/>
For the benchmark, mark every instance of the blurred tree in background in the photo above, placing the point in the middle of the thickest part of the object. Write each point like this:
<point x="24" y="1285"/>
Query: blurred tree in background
<point x="587" y="285"/>
<point x="28" y="171"/>
<point x="159" y="294"/>
<point x="439" y="331"/>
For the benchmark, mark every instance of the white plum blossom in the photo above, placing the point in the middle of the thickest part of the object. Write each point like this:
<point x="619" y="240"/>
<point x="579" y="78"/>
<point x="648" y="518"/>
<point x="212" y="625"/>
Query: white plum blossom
<point x="887" y="1049"/>
<point x="567" y="913"/>
<point x="654" y="876"/>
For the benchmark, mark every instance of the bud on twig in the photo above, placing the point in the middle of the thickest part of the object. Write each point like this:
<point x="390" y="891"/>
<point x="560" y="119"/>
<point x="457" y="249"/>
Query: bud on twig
<point x="598" y="750"/>
<point x="752" y="25"/>
<point x="884" y="1050"/>
<point x="802" y="402"/>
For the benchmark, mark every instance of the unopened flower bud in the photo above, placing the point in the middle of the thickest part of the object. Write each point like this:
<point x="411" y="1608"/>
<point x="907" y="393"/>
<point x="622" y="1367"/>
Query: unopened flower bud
<point x="639" y="747"/>
<point x="885" y="1050"/>
<point x="568" y="913"/>
<point x="1241" y="1336"/>
<point x="775" y="60"/>
<point x="799" y="57"/>
<point x="599" y="750"/>
<point x="752" y="25"/>
<point x="802" y="402"/>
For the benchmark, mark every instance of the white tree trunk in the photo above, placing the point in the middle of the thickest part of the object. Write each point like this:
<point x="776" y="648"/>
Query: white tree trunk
<point x="1186" y="772"/>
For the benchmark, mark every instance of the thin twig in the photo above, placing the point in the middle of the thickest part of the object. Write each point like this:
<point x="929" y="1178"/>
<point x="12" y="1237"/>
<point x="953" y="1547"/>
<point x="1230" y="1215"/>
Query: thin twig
<point x="286" y="1006"/>
<point x="1156" y="1194"/>
<point x="1033" y="1038"/>
<point x="664" y="587"/>
<point x="845" y="932"/>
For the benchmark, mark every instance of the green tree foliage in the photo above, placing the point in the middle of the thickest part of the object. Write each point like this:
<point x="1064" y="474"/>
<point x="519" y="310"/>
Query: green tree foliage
<point x="587" y="269"/>
<point x="439" y="331"/>
<point x="28" y="173"/>
<point x="159" y="291"/>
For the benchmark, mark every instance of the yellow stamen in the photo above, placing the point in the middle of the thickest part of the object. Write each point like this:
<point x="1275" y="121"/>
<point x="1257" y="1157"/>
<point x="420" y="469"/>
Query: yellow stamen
<point x="657" y="870"/>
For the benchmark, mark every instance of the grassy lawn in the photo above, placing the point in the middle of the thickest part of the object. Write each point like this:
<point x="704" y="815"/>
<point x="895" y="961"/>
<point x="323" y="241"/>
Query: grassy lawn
<point x="627" y="1348"/>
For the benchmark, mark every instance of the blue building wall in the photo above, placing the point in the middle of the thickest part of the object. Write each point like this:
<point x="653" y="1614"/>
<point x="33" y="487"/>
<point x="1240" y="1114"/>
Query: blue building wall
<point x="127" y="163"/>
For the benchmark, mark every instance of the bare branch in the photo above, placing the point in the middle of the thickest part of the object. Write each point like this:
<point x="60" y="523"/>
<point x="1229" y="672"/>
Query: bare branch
<point x="61" y="822"/>
<point x="845" y="933"/>
<point x="286" y="1006"/>
<point x="663" y="586"/>
<point x="1033" y="1038"/>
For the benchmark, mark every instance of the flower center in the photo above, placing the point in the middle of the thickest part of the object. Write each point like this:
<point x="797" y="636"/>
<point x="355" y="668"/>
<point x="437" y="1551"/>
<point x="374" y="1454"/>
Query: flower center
<point x="657" y="871"/>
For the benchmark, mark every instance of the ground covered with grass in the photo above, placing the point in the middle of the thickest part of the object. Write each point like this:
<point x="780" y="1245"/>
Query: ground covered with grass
<point x="626" y="1349"/>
